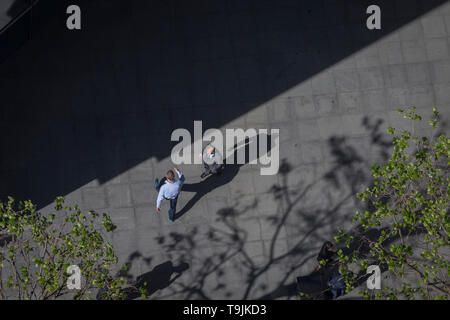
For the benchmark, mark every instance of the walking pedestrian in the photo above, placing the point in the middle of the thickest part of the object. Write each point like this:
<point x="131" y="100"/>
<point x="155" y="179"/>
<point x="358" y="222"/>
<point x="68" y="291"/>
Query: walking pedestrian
<point x="212" y="161"/>
<point x="169" y="189"/>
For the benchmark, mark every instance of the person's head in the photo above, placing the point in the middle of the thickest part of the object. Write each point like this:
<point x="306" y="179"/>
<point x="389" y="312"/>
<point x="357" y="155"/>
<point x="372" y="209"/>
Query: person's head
<point x="170" y="176"/>
<point x="210" y="150"/>
<point x="326" y="247"/>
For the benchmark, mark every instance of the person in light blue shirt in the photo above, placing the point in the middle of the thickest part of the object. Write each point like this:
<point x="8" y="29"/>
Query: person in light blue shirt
<point x="169" y="189"/>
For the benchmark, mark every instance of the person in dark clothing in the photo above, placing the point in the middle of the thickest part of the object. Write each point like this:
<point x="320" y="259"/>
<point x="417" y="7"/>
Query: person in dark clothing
<point x="212" y="161"/>
<point x="102" y="292"/>
<point x="337" y="284"/>
<point x="326" y="254"/>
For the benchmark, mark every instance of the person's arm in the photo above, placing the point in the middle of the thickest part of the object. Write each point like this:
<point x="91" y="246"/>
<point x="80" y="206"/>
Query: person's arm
<point x="160" y="198"/>
<point x="180" y="174"/>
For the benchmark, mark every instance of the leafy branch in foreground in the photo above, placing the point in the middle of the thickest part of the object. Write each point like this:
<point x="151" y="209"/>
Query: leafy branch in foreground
<point x="37" y="249"/>
<point x="407" y="205"/>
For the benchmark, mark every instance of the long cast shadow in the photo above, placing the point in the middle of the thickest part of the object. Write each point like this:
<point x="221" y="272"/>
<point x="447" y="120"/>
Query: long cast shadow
<point x="213" y="182"/>
<point x="206" y="186"/>
<point x="159" y="278"/>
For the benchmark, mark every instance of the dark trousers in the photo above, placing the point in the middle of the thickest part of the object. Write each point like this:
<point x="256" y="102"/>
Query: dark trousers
<point x="213" y="168"/>
<point x="173" y="208"/>
<point x="173" y="202"/>
<point x="337" y="284"/>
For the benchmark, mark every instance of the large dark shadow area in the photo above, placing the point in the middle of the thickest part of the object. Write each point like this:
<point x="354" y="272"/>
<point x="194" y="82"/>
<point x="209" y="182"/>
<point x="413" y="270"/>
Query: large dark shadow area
<point x="90" y="104"/>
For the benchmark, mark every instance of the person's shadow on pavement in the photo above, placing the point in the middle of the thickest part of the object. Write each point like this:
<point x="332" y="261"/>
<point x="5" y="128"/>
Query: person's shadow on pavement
<point x="159" y="278"/>
<point x="227" y="175"/>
